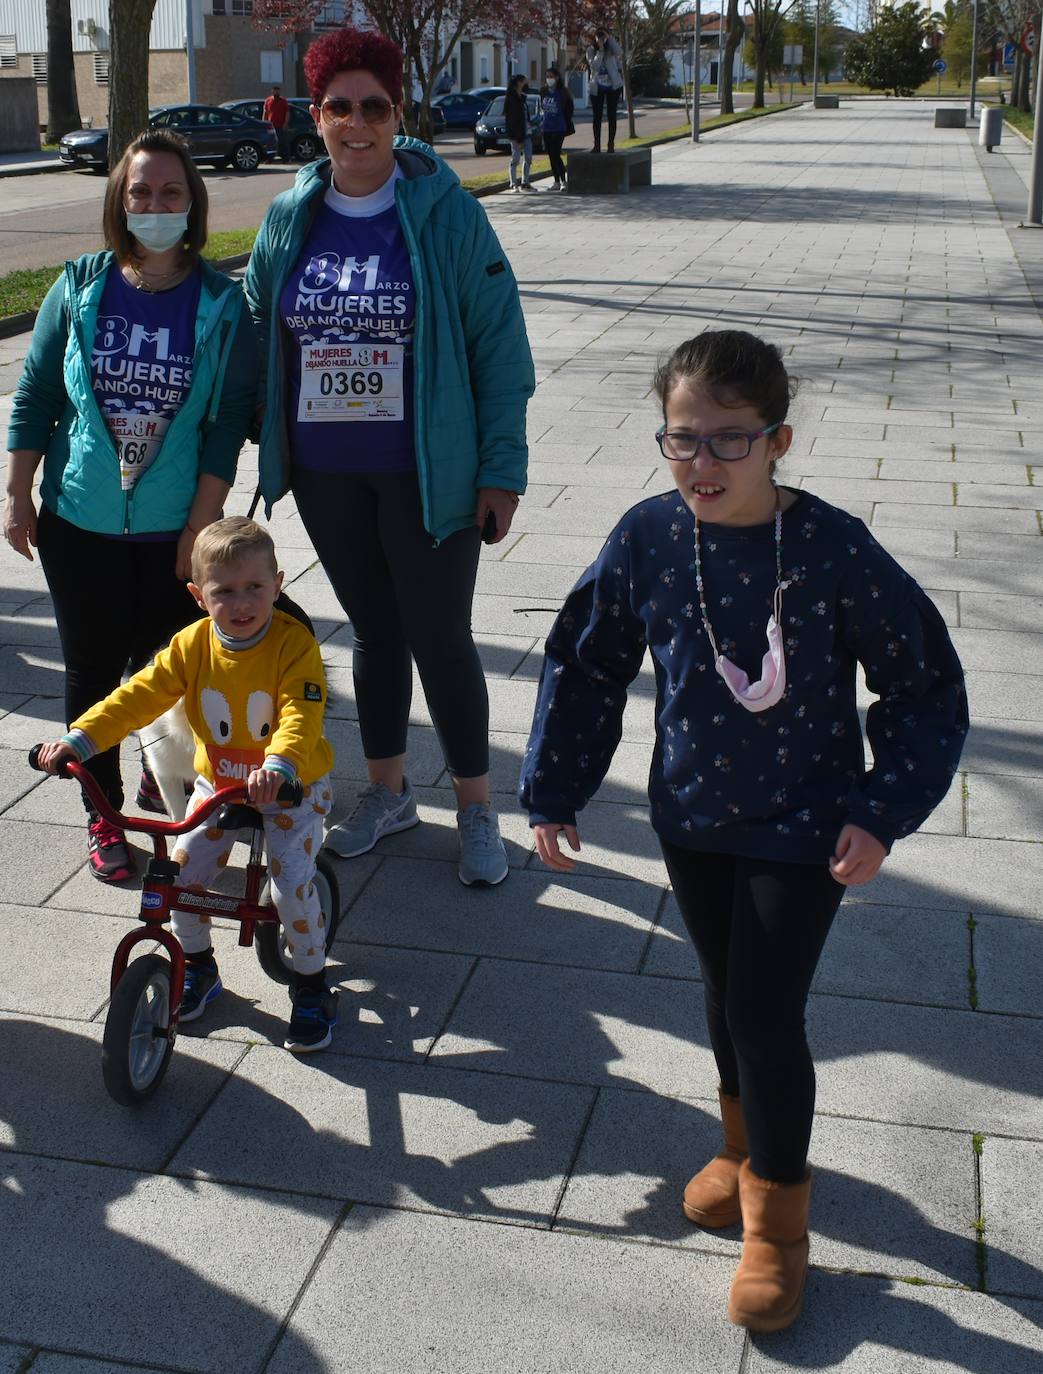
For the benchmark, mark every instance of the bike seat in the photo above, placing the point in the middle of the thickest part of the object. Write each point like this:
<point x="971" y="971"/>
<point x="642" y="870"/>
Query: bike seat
<point x="238" y="816"/>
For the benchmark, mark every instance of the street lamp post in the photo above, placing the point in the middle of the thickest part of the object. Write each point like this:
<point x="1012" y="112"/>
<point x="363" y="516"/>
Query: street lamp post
<point x="1035" y="205"/>
<point x="974" y="54"/>
<point x="697" y="75"/>
<point x="814" y="86"/>
<point x="190" y="51"/>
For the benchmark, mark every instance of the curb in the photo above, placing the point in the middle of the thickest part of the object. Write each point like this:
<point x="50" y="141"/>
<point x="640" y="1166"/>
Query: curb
<point x="11" y="325"/>
<point x="36" y="171"/>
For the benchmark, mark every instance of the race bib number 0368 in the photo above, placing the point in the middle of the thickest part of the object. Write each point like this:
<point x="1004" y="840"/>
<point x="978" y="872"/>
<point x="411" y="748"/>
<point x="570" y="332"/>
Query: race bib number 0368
<point x="351" y="382"/>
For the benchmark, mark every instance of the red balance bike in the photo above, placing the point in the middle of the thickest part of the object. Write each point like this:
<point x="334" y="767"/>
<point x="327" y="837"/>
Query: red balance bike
<point x="145" y="996"/>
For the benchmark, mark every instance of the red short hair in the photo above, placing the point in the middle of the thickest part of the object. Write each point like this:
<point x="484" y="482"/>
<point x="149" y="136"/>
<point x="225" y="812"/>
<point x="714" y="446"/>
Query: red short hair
<point x="349" y="50"/>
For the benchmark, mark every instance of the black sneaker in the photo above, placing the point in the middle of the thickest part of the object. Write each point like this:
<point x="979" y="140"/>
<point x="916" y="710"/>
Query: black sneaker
<point x="312" y="1020"/>
<point x="202" y="986"/>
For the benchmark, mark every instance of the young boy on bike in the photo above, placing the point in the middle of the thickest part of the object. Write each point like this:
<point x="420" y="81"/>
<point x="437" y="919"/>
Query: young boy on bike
<point x="254" y="693"/>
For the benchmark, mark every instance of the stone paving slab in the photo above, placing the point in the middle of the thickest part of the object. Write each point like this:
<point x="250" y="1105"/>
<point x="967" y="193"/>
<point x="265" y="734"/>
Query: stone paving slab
<point x="949" y="873"/>
<point x="178" y="1247"/>
<point x="506" y="1297"/>
<point x="864" y="1325"/>
<point x="534" y="917"/>
<point x="887" y="1198"/>
<point x="1010" y="1173"/>
<point x="1008" y="962"/>
<point x="75" y="1118"/>
<point x="402" y="1135"/>
<point x="1005" y="806"/>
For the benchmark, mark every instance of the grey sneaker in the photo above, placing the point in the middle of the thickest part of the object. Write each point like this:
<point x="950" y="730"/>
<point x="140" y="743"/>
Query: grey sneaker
<point x="378" y="812"/>
<point x="483" y="858"/>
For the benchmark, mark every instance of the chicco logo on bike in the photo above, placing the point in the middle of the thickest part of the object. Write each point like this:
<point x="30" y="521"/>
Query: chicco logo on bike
<point x="152" y="900"/>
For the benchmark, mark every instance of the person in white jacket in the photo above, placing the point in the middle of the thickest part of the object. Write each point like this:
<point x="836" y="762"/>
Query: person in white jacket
<point x="606" y="83"/>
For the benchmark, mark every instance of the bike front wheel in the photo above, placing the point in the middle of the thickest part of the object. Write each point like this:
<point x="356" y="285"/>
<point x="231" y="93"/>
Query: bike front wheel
<point x="136" y="1047"/>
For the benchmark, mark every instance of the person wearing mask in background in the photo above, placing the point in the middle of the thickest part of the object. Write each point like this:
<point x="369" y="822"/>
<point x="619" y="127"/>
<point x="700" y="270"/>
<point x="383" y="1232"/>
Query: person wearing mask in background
<point x="557" y="122"/>
<point x="137" y="393"/>
<point x="276" y="112"/>
<point x="396" y="376"/>
<point x="606" y="83"/>
<point x="519" y="131"/>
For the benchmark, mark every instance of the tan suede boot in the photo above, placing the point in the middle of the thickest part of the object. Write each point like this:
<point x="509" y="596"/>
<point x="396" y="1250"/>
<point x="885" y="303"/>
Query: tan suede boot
<point x="712" y="1196"/>
<point x="769" y="1284"/>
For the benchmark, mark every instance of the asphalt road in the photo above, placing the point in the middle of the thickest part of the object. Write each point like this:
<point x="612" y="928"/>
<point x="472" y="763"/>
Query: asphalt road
<point x="46" y="219"/>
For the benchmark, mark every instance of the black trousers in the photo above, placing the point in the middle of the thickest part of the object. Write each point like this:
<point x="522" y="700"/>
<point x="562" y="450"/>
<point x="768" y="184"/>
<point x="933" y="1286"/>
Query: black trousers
<point x="598" y="101"/>
<point x="406" y="598"/>
<point x="553" y="144"/>
<point x="116" y="602"/>
<point x="758" y="927"/>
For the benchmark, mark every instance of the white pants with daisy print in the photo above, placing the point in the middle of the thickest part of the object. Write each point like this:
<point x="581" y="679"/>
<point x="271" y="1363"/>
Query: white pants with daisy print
<point x="293" y="835"/>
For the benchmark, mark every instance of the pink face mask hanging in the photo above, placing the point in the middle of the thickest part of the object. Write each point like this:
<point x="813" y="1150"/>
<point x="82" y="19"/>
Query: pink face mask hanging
<point x="770" y="686"/>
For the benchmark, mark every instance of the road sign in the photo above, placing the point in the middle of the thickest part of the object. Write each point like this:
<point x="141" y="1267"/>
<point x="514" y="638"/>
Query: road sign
<point x="793" y="54"/>
<point x="1009" y="54"/>
<point x="940" y="65"/>
<point x="1028" y="38"/>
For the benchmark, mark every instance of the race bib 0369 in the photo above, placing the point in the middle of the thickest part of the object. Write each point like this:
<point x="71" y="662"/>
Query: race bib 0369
<point x="351" y="381"/>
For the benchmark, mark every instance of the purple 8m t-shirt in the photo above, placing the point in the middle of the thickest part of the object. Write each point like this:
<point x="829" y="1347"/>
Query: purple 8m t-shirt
<point x="349" y="310"/>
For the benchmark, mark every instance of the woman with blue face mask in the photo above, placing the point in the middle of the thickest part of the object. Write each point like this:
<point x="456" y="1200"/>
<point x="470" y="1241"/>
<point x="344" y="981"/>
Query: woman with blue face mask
<point x="137" y="394"/>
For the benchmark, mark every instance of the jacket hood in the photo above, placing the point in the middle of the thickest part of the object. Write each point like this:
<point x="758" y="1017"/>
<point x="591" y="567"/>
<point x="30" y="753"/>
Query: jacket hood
<point x="425" y="178"/>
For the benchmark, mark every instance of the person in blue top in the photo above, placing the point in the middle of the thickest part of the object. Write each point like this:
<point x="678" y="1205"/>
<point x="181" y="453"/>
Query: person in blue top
<point x="557" y="122"/>
<point x="757" y="603"/>
<point x="397" y="373"/>
<point x="137" y="392"/>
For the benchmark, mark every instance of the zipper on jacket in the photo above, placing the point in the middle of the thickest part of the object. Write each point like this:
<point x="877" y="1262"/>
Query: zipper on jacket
<point x="423" y="463"/>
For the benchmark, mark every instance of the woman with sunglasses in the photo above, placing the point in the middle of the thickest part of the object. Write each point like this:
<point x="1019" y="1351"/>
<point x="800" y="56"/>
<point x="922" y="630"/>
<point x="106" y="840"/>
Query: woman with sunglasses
<point x="398" y="373"/>
<point x="759" y="793"/>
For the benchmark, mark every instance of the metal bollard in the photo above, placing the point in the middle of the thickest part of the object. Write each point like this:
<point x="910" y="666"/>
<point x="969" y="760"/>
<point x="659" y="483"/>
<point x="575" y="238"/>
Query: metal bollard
<point x="990" y="130"/>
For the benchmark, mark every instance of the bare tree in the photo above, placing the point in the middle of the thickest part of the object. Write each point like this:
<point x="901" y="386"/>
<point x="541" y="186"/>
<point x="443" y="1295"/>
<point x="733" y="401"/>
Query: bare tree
<point x="734" y="35"/>
<point x="129" y="24"/>
<point x="63" y="106"/>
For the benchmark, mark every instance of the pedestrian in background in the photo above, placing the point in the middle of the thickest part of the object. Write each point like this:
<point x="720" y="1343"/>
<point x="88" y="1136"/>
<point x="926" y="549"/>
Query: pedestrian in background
<point x="519" y="130"/>
<point x="557" y="122"/>
<point x="276" y="112"/>
<point x="606" y="83"/>
<point x="137" y="393"/>
<point x="760" y="797"/>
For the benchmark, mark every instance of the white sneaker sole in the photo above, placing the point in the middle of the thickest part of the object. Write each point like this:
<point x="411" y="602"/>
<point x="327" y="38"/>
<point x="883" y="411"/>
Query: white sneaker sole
<point x="394" y="828"/>
<point x="483" y="882"/>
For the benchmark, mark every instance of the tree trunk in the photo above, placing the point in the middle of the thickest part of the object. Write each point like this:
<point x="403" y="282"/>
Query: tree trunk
<point x="129" y="24"/>
<point x="63" y="106"/>
<point x="735" y="35"/>
<point x="758" y="79"/>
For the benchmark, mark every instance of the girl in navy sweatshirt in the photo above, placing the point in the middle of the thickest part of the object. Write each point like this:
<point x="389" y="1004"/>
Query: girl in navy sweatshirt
<point x="759" y="791"/>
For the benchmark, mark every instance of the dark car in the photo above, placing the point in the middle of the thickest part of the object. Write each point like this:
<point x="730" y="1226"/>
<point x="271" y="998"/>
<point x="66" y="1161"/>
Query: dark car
<point x="486" y="93"/>
<point x="461" y="109"/>
<point x="491" y="129"/>
<point x="223" y="137"/>
<point x="305" y="142"/>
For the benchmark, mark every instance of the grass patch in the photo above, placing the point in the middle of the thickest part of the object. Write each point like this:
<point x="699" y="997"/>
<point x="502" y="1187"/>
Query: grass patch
<point x="228" y="242"/>
<point x="1020" y="120"/>
<point x="26" y="289"/>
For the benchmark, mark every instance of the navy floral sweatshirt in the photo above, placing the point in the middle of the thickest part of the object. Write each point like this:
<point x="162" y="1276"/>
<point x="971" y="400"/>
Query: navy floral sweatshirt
<point x="781" y="783"/>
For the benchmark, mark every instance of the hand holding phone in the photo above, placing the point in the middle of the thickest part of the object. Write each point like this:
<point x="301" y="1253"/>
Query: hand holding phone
<point x="489" y="528"/>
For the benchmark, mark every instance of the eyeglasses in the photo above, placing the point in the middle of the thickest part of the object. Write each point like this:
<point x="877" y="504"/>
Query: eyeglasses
<point x="374" y="109"/>
<point x="681" y="446"/>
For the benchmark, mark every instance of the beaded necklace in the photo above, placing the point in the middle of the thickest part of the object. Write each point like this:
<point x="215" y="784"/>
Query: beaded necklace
<point x="757" y="696"/>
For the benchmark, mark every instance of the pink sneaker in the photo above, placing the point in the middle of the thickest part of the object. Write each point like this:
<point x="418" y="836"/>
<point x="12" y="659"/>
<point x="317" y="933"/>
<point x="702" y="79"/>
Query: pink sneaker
<point x="107" y="853"/>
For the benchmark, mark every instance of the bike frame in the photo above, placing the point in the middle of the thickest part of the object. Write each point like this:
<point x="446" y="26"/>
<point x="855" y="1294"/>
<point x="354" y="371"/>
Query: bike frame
<point x="161" y="894"/>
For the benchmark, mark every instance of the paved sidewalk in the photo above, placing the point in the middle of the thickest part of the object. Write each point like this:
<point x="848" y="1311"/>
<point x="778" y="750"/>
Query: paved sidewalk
<point x="484" y="1171"/>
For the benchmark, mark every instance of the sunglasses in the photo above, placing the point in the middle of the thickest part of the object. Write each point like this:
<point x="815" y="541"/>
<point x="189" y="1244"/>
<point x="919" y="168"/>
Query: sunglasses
<point x="374" y="109"/>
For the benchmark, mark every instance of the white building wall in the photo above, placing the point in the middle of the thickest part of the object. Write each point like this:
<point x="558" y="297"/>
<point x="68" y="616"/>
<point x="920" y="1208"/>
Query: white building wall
<point x="27" y="20"/>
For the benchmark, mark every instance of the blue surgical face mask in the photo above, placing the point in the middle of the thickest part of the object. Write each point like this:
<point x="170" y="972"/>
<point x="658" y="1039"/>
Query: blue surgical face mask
<point x="157" y="233"/>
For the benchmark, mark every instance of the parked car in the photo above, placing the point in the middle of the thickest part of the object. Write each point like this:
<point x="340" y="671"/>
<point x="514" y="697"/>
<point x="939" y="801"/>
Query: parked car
<point x="486" y="93"/>
<point x="305" y="143"/>
<point x="223" y="137"/>
<point x="491" y="129"/>
<point x="461" y="109"/>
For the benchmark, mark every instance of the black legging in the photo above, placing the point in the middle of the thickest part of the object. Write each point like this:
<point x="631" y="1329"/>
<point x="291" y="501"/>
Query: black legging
<point x="758" y="927"/>
<point x="405" y="597"/>
<point x="598" y="100"/>
<point x="116" y="601"/>
<point x="553" y="143"/>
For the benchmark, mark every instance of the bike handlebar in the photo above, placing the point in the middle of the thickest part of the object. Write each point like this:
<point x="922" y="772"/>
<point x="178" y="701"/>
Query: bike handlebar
<point x="292" y="792"/>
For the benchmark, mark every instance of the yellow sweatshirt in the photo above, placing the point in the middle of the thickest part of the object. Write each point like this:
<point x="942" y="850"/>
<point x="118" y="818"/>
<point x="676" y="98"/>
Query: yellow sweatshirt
<point x="242" y="704"/>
